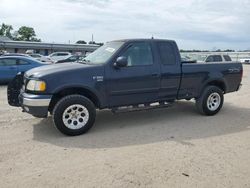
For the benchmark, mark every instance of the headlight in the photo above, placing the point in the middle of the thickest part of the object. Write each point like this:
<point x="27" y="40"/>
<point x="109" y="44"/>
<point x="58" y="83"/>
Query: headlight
<point x="36" y="85"/>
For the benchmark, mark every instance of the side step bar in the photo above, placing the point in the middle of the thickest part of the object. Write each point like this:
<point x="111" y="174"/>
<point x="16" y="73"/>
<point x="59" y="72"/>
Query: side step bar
<point x="141" y="107"/>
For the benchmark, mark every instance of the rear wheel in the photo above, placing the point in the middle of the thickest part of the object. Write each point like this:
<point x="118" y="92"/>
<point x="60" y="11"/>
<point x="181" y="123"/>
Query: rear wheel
<point x="211" y="101"/>
<point x="74" y="115"/>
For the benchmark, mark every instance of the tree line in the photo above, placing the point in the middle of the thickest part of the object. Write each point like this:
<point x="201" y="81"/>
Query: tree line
<point x="26" y="33"/>
<point x="90" y="42"/>
<point x="219" y="50"/>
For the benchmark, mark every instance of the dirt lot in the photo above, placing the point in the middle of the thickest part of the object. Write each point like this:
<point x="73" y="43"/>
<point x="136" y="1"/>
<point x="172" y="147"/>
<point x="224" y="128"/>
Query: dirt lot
<point x="173" y="147"/>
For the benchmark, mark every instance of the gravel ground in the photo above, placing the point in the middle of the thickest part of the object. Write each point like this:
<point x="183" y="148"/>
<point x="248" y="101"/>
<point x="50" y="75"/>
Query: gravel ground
<point x="173" y="147"/>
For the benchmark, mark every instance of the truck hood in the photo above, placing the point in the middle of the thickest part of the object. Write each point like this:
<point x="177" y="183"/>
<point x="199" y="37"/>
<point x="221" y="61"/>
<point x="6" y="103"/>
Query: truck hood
<point x="55" y="69"/>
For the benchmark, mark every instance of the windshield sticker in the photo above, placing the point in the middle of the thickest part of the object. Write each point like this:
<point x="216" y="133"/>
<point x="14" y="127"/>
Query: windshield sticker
<point x="111" y="50"/>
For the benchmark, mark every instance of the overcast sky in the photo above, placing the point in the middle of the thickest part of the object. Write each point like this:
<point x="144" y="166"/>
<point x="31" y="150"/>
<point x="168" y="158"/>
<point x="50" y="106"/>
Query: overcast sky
<point x="194" y="24"/>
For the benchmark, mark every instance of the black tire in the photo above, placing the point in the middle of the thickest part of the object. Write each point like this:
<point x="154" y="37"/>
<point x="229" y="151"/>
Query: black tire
<point x="69" y="102"/>
<point x="203" y="105"/>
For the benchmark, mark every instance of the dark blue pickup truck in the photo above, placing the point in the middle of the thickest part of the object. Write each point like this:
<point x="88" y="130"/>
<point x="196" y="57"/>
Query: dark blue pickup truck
<point x="123" y="74"/>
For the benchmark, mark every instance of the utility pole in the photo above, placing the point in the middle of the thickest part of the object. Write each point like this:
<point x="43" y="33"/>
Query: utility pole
<point x="92" y="38"/>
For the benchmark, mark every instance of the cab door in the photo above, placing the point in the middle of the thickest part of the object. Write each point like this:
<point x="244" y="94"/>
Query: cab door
<point x="170" y="70"/>
<point x="136" y="83"/>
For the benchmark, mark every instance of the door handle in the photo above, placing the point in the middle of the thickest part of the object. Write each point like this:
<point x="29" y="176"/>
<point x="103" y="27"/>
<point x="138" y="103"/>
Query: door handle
<point x="155" y="75"/>
<point x="12" y="68"/>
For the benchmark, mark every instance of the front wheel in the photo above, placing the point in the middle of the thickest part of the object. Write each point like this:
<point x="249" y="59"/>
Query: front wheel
<point x="211" y="101"/>
<point x="74" y="115"/>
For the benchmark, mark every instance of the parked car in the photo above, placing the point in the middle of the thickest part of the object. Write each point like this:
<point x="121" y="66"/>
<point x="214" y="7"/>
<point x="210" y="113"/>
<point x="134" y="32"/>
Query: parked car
<point x="186" y="59"/>
<point x="123" y="73"/>
<point x="245" y="60"/>
<point x="40" y="57"/>
<point x="72" y="58"/>
<point x="15" y="54"/>
<point x="11" y="65"/>
<point x="213" y="58"/>
<point x="57" y="56"/>
<point x="2" y="52"/>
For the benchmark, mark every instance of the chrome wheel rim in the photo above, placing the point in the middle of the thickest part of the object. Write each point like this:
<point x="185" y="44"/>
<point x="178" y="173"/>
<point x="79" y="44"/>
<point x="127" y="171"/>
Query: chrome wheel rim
<point x="213" y="101"/>
<point x="75" y="116"/>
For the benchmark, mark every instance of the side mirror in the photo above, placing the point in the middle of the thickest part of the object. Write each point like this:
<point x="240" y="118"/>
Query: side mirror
<point x="121" y="62"/>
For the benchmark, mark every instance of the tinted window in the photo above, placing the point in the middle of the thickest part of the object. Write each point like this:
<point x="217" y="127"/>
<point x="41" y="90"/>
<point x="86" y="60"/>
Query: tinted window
<point x="217" y="58"/>
<point x="35" y="56"/>
<point x="139" y="54"/>
<point x="227" y="58"/>
<point x="1" y="63"/>
<point x="7" y="62"/>
<point x="214" y="58"/>
<point x="210" y="59"/>
<point x="167" y="53"/>
<point x="22" y="62"/>
<point x="62" y="54"/>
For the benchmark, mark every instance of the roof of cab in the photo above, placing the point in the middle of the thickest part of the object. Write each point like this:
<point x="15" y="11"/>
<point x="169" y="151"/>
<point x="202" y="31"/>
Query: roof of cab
<point x="141" y="40"/>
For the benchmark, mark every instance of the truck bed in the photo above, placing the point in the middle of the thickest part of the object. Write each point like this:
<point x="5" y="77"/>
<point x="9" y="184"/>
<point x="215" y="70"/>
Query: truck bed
<point x="196" y="75"/>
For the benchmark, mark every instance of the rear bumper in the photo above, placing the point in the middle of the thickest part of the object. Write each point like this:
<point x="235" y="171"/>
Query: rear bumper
<point x="36" y="105"/>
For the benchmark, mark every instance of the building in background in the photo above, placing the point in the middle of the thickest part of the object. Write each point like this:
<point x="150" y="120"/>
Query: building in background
<point x="43" y="48"/>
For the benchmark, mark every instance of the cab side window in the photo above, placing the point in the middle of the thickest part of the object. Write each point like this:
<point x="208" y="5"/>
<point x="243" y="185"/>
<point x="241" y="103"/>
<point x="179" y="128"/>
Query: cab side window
<point x="139" y="54"/>
<point x="167" y="53"/>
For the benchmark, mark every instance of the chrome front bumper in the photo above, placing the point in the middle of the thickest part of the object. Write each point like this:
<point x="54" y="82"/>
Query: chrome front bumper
<point x="35" y="102"/>
<point x="36" y="105"/>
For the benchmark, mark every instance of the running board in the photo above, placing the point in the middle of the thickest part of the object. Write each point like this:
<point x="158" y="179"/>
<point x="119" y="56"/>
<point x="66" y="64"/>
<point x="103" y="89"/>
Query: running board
<point x="140" y="107"/>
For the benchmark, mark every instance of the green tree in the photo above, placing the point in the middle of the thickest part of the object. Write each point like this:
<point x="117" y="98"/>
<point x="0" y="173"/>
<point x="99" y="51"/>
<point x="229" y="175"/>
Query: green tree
<point x="25" y="33"/>
<point x="91" y="42"/>
<point x="5" y="30"/>
<point x="81" y="42"/>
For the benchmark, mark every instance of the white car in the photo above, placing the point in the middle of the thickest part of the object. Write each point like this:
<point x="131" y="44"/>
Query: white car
<point x="57" y="56"/>
<point x="246" y="60"/>
<point x="213" y="58"/>
<point x="40" y="57"/>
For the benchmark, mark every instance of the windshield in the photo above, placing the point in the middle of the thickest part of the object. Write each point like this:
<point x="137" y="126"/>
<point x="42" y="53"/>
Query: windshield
<point x="104" y="53"/>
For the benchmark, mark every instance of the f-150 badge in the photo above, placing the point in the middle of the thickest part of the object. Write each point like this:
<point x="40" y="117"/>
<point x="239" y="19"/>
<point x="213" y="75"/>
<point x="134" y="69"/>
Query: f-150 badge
<point x="98" y="78"/>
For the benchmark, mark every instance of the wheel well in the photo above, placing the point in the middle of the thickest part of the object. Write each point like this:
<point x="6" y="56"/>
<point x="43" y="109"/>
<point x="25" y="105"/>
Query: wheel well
<point x="218" y="84"/>
<point x="70" y="91"/>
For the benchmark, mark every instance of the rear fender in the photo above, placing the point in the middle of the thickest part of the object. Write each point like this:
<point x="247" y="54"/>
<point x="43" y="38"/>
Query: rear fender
<point x="219" y="82"/>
